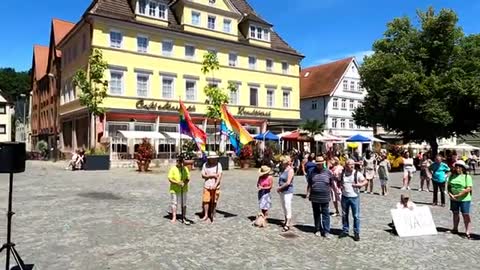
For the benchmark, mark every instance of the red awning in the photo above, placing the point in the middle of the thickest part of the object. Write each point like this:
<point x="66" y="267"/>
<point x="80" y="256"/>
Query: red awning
<point x="297" y="136"/>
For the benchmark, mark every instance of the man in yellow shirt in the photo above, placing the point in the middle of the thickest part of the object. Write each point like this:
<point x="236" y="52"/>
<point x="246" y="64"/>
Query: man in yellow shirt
<point x="179" y="176"/>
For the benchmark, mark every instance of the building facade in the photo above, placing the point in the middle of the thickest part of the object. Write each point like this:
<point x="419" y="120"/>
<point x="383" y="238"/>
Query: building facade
<point x="46" y="80"/>
<point x="330" y="93"/>
<point x="154" y="50"/>
<point x="6" y="114"/>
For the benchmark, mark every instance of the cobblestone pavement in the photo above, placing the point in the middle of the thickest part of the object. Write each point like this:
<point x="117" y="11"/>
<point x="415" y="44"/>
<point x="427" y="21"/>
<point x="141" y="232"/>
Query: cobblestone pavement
<point x="116" y="220"/>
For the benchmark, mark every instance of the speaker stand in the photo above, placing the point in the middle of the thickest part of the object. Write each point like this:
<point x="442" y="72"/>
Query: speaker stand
<point x="9" y="247"/>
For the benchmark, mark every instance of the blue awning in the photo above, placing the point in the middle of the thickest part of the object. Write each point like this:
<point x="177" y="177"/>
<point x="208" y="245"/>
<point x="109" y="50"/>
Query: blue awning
<point x="267" y="136"/>
<point x="359" y="138"/>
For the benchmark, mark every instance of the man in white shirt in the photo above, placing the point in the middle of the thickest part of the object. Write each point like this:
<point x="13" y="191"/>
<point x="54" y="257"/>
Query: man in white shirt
<point x="351" y="181"/>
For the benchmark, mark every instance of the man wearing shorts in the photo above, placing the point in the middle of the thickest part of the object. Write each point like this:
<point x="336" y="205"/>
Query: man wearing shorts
<point x="179" y="176"/>
<point x="212" y="174"/>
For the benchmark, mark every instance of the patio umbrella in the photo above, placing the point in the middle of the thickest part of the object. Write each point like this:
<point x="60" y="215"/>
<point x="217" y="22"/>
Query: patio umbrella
<point x="296" y="136"/>
<point x="358" y="138"/>
<point x="465" y="146"/>
<point x="266" y="136"/>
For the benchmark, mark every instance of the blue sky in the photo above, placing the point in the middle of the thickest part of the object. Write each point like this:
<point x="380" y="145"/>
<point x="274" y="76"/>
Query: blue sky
<point x="322" y="30"/>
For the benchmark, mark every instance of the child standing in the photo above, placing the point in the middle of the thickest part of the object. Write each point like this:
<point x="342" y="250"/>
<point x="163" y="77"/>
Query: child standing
<point x="264" y="185"/>
<point x="382" y="171"/>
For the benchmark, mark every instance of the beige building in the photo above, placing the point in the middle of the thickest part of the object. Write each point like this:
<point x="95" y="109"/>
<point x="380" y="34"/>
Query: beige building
<point x="5" y="120"/>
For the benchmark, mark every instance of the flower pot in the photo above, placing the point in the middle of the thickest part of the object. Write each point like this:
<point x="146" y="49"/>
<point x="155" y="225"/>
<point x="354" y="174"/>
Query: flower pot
<point x="225" y="161"/>
<point x="245" y="163"/>
<point x="143" y="165"/>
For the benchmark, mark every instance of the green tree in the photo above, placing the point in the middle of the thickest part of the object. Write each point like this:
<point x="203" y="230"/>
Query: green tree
<point x="14" y="83"/>
<point x="216" y="96"/>
<point x="423" y="81"/>
<point x="93" y="89"/>
<point x="314" y="127"/>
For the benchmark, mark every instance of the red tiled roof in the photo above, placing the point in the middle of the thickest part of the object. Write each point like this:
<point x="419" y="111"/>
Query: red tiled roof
<point x="321" y="80"/>
<point x="60" y="30"/>
<point x="40" y="58"/>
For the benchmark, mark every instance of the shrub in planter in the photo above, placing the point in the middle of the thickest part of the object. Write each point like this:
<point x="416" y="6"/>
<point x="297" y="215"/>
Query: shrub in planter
<point x="188" y="153"/>
<point x="144" y="155"/>
<point x="97" y="159"/>
<point x="246" y="155"/>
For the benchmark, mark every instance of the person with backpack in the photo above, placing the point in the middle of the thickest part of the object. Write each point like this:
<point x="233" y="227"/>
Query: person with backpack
<point x="351" y="181"/>
<point x="439" y="176"/>
<point x="459" y="186"/>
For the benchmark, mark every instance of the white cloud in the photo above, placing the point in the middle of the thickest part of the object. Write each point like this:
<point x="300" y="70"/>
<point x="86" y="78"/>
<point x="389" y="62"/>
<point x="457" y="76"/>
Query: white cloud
<point x="358" y="55"/>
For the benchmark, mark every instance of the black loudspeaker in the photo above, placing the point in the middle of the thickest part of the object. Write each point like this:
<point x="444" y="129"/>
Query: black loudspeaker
<point x="12" y="157"/>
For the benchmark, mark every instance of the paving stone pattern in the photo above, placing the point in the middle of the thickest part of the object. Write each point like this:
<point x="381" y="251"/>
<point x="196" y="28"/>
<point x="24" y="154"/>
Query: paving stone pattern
<point x="117" y="220"/>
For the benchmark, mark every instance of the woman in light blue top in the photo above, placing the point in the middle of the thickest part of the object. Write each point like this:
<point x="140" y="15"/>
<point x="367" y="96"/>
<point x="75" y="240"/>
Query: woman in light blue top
<point x="285" y="189"/>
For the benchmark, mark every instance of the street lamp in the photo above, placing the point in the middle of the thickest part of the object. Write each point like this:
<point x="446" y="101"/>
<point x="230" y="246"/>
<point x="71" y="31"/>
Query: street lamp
<point x="55" y="133"/>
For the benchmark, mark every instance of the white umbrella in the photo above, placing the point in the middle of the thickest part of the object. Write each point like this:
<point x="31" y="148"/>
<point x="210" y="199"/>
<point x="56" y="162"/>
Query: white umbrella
<point x="416" y="146"/>
<point x="465" y="146"/>
<point x="447" y="146"/>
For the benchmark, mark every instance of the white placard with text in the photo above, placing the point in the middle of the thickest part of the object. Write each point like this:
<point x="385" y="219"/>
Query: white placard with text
<point x="416" y="222"/>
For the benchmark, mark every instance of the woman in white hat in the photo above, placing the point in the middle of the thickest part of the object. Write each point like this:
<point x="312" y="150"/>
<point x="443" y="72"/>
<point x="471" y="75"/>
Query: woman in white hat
<point x="459" y="186"/>
<point x="264" y="185"/>
<point x="212" y="174"/>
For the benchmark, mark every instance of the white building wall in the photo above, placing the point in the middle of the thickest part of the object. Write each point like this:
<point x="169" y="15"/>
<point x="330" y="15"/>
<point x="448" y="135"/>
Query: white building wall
<point x="347" y="96"/>
<point x="5" y="121"/>
<point x="314" y="108"/>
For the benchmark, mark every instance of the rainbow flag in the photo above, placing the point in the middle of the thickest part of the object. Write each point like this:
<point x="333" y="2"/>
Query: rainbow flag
<point x="188" y="128"/>
<point x="230" y="127"/>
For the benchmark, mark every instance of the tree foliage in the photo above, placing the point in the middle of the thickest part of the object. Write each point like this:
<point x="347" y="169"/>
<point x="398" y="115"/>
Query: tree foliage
<point x="423" y="81"/>
<point x="313" y="126"/>
<point x="14" y="83"/>
<point x="91" y="83"/>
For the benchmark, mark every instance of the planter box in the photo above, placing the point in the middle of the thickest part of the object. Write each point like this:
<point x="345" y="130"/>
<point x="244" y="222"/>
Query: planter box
<point x="97" y="162"/>
<point x="225" y="161"/>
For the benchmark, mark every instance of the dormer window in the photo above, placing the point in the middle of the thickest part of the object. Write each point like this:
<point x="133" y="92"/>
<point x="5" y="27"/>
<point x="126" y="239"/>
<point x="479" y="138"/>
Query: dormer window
<point x="152" y="8"/>
<point x="260" y="33"/>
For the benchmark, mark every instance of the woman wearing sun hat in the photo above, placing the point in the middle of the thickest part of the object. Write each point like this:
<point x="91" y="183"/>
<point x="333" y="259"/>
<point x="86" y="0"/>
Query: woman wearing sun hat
<point x="212" y="174"/>
<point x="459" y="186"/>
<point x="264" y="185"/>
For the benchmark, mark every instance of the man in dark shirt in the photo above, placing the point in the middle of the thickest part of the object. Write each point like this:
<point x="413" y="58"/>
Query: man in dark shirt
<point x="320" y="181"/>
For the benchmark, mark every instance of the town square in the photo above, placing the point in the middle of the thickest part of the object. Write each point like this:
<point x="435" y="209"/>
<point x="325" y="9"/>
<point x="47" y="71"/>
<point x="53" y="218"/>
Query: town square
<point x="239" y="134"/>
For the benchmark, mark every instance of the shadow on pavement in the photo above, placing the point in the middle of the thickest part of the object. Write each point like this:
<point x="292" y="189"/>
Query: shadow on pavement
<point x="100" y="195"/>
<point x="422" y="203"/>
<point x="311" y="229"/>
<point x="304" y="196"/>
<point x="272" y="221"/>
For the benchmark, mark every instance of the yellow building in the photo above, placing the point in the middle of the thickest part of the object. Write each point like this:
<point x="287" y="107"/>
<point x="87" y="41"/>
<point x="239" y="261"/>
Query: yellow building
<point x="154" y="49"/>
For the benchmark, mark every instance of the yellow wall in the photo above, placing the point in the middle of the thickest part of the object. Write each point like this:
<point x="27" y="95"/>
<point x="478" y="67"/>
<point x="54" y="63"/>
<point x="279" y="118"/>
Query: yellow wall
<point x="220" y="4"/>
<point x="147" y="19"/>
<point x="129" y="58"/>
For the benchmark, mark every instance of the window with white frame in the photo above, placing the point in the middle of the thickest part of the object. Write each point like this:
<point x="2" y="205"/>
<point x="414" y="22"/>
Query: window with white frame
<point x="234" y="95"/>
<point x="334" y="122"/>
<point x="189" y="51"/>
<point x="269" y="65"/>
<point x="350" y="123"/>
<point x="227" y="25"/>
<point x="152" y="8"/>
<point x="253" y="96"/>
<point x="167" y="47"/>
<point x="284" y="67"/>
<point x="168" y="87"/>
<point x="115" y="39"/>
<point x="286" y="98"/>
<point x="352" y="86"/>
<point x="3" y="108"/>
<point x="270" y="97"/>
<point x="342" y="123"/>
<point x="212" y="50"/>
<point x="142" y="44"/>
<point x="314" y="105"/>
<point x="359" y="86"/>
<point x="257" y="32"/>
<point x="232" y="59"/>
<point x="211" y="22"/>
<point x="344" y="104"/>
<point x="116" y="82"/>
<point x="142" y="84"/>
<point x="143" y="127"/>
<point x="335" y="103"/>
<point x="351" y="104"/>
<point x="3" y="129"/>
<point x="252" y="62"/>
<point x="345" y="85"/>
<point x="196" y="18"/>
<point x="190" y="90"/>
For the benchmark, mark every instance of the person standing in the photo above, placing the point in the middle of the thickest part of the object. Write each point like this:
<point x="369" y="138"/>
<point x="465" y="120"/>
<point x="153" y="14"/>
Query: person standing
<point x="320" y="181"/>
<point x="472" y="162"/>
<point x="425" y="174"/>
<point x="408" y="170"/>
<point x="264" y="185"/>
<point x="439" y="176"/>
<point x="351" y="181"/>
<point x="383" y="170"/>
<point x="285" y="190"/>
<point x="335" y="191"/>
<point x="212" y="174"/>
<point x="179" y="176"/>
<point x="370" y="167"/>
<point x="460" y="191"/>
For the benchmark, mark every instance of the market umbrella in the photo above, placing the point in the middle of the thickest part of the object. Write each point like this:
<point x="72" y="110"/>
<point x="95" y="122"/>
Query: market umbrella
<point x="266" y="136"/>
<point x="296" y="136"/>
<point x="465" y="146"/>
<point x="358" y="138"/>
